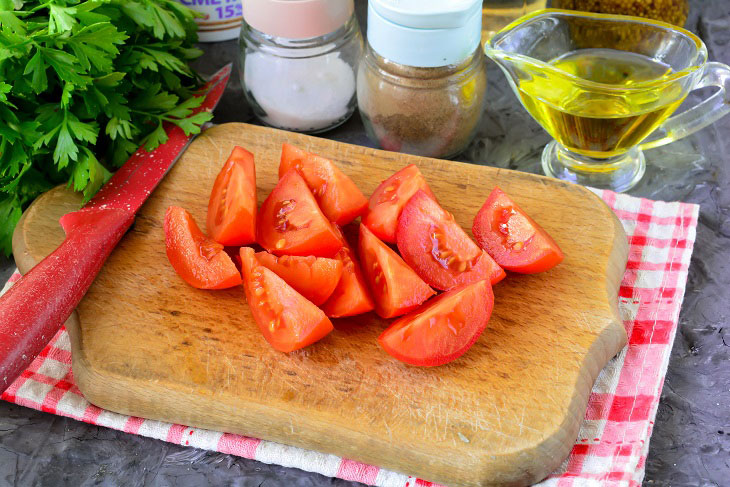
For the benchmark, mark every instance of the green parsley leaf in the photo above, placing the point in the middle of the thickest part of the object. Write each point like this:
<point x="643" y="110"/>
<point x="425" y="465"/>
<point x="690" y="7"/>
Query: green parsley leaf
<point x="61" y="19"/>
<point x="156" y="137"/>
<point x="36" y="67"/>
<point x="10" y="211"/>
<point x="191" y="125"/>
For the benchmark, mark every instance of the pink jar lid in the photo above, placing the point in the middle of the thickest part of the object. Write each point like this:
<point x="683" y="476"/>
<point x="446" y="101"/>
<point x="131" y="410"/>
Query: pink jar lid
<point x="297" y="19"/>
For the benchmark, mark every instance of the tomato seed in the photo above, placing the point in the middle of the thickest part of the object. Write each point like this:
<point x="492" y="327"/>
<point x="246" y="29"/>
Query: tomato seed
<point x="282" y="209"/>
<point x="280" y="244"/>
<point x="209" y="249"/>
<point x="446" y="257"/>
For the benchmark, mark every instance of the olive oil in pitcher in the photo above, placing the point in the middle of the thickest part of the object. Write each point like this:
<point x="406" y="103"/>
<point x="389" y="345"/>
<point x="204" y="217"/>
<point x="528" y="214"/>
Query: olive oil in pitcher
<point x="605" y="86"/>
<point x="607" y="121"/>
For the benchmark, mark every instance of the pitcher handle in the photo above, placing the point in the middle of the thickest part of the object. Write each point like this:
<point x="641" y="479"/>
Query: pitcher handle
<point x="701" y="115"/>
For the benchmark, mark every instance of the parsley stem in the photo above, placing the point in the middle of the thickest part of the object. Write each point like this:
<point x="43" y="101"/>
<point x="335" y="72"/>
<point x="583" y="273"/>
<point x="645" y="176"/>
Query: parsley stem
<point x="155" y="115"/>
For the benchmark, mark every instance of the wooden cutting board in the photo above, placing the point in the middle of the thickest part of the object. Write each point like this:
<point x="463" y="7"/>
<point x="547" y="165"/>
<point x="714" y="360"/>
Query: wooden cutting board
<point x="506" y="413"/>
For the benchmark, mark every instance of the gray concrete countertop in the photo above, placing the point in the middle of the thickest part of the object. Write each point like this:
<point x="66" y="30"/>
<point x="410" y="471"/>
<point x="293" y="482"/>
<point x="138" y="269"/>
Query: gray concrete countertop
<point x="691" y="441"/>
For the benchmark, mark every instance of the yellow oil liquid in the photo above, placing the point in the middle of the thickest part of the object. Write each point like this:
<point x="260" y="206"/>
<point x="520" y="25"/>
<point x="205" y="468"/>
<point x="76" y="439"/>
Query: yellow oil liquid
<point x="595" y="121"/>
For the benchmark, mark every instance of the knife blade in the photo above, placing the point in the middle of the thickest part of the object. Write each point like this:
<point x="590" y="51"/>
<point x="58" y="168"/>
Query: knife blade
<point x="36" y="306"/>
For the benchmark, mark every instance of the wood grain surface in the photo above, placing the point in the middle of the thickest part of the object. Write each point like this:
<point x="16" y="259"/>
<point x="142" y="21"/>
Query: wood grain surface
<point x="506" y="413"/>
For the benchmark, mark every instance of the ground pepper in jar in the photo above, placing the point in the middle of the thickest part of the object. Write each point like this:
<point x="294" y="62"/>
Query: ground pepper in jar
<point x="672" y="11"/>
<point x="426" y="111"/>
<point x="422" y="81"/>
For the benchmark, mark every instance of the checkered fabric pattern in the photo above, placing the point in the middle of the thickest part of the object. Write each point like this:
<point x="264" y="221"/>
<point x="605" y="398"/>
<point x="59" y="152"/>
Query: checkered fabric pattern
<point x="613" y="441"/>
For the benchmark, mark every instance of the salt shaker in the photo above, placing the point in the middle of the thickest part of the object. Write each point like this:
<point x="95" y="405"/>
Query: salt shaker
<point x="299" y="62"/>
<point x="422" y="81"/>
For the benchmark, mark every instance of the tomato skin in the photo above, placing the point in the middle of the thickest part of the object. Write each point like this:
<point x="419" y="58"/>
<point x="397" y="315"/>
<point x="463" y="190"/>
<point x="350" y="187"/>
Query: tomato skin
<point x="395" y="287"/>
<point x="198" y="260"/>
<point x="232" y="205"/>
<point x="438" y="249"/>
<point x="443" y="328"/>
<point x="512" y="238"/>
<point x="351" y="296"/>
<point x="389" y="198"/>
<point x="338" y="196"/>
<point x="291" y="223"/>
<point x="315" y="278"/>
<point x="287" y="319"/>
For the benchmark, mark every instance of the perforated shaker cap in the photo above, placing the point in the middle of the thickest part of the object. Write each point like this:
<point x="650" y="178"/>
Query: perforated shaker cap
<point x="424" y="33"/>
<point x="297" y="19"/>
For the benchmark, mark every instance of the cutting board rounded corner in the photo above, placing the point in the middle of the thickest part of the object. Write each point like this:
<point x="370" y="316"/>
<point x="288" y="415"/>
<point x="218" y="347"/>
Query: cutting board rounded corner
<point x="41" y="218"/>
<point x="131" y="388"/>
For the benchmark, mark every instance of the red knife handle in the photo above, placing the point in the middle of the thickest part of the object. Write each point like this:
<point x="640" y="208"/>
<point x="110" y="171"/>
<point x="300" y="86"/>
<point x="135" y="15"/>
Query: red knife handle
<point x="34" y="309"/>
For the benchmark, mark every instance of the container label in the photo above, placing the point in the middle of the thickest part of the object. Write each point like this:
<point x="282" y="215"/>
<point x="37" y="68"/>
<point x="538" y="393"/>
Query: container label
<point x="221" y="19"/>
<point x="215" y="10"/>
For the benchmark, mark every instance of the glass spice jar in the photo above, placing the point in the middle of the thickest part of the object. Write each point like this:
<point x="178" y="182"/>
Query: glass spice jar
<point x="671" y="11"/>
<point x="422" y="81"/>
<point x="299" y="62"/>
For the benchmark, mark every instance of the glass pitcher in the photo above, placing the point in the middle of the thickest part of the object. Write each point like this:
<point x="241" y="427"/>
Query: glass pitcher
<point x="605" y="87"/>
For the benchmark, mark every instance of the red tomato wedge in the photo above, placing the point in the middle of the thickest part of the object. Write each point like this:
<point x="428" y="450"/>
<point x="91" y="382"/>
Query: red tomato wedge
<point x="290" y="221"/>
<point x="341" y="201"/>
<point x="438" y="249"/>
<point x="287" y="319"/>
<point x="443" y="329"/>
<point x="512" y="238"/>
<point x="389" y="198"/>
<point x="351" y="296"/>
<point x="232" y="205"/>
<point x="315" y="278"/>
<point x="200" y="261"/>
<point x="395" y="287"/>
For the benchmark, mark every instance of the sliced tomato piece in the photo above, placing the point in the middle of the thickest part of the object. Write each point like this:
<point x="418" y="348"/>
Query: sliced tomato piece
<point x="443" y="329"/>
<point x="512" y="238"/>
<point x="232" y="205"/>
<point x="351" y="296"/>
<point x="287" y="319"/>
<point x="315" y="278"/>
<point x="200" y="261"/>
<point x="395" y="287"/>
<point x="338" y="196"/>
<point x="389" y="198"/>
<point x="290" y="221"/>
<point x="438" y="249"/>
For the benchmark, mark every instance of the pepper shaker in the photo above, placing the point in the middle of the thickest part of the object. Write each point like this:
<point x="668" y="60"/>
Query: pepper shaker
<point x="422" y="81"/>
<point x="299" y="61"/>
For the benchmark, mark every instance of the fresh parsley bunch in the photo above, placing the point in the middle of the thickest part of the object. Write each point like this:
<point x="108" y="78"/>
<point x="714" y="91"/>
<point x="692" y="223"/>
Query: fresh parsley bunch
<point x="82" y="85"/>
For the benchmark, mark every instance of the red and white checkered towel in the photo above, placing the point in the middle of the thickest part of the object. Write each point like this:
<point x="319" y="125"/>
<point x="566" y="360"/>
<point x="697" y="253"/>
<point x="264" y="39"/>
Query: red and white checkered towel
<point x="614" y="438"/>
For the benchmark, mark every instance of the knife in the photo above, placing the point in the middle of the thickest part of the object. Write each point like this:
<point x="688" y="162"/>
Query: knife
<point x="36" y="306"/>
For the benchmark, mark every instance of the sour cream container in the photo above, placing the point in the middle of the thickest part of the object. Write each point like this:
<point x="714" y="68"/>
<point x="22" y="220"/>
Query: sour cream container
<point x="221" y="20"/>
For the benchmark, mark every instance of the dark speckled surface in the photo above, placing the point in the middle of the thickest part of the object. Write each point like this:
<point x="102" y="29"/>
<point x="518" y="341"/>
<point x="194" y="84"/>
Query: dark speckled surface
<point x="691" y="441"/>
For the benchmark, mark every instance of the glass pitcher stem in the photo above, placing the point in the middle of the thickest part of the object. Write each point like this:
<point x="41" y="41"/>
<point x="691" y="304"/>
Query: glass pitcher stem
<point x="619" y="173"/>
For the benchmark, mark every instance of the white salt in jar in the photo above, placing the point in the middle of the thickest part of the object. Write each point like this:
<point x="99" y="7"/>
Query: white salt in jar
<point x="299" y="62"/>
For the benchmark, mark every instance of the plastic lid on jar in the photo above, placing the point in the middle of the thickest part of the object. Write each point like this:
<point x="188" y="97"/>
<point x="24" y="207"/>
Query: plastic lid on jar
<point x="297" y="19"/>
<point x="424" y="33"/>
